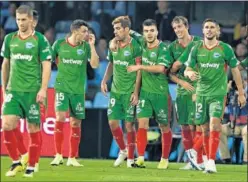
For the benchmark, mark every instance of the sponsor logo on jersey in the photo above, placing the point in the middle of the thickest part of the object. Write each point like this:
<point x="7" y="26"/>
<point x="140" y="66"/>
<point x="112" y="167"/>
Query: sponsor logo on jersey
<point x="23" y="57"/>
<point x="153" y="54"/>
<point x="201" y="55"/>
<point x="79" y="107"/>
<point x="33" y="110"/>
<point x="72" y="61"/>
<point x="162" y="114"/>
<point x="13" y="45"/>
<point x="216" y="55"/>
<point x="122" y="63"/>
<point x="80" y="51"/>
<point x="210" y="65"/>
<point x="145" y="60"/>
<point x="29" y="45"/>
<point x="109" y="111"/>
<point x="197" y="115"/>
<point x="127" y="53"/>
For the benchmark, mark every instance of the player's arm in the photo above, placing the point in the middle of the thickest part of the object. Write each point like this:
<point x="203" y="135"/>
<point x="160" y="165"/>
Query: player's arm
<point x="94" y="60"/>
<point x="46" y="55"/>
<point x="184" y="84"/>
<point x="148" y="68"/>
<point x="233" y="64"/>
<point x="134" y="97"/>
<point x="5" y="74"/>
<point x="190" y="64"/>
<point x="106" y="77"/>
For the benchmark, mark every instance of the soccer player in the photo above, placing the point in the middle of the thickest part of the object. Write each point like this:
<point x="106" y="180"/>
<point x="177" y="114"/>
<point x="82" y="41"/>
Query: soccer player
<point x="125" y="88"/>
<point x="72" y="54"/>
<point x="154" y="95"/>
<point x="185" y="100"/>
<point x="24" y="86"/>
<point x="244" y="64"/>
<point x="211" y="56"/>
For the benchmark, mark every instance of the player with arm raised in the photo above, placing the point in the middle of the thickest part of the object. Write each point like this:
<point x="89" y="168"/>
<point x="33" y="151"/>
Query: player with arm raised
<point x="185" y="100"/>
<point x="72" y="54"/>
<point x="125" y="88"/>
<point x="211" y="57"/>
<point x="154" y="95"/>
<point x="24" y="84"/>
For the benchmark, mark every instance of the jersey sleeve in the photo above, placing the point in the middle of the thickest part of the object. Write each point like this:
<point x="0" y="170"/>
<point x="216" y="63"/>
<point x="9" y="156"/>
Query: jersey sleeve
<point x="191" y="62"/>
<point x="138" y="37"/>
<point x="185" y="55"/>
<point x="244" y="63"/>
<point x="164" y="57"/>
<point x="110" y="56"/>
<point x="137" y="52"/>
<point x="5" y="51"/>
<point x="55" y="49"/>
<point x="230" y="57"/>
<point x="45" y="50"/>
<point x="88" y="49"/>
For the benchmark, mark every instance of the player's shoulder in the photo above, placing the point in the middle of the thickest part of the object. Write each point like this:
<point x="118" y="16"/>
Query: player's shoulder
<point x="225" y="46"/>
<point x="162" y="46"/>
<point x="198" y="44"/>
<point x="196" y="38"/>
<point x="39" y="35"/>
<point x="134" y="42"/>
<point x="173" y="44"/>
<point x="59" y="41"/>
<point x="11" y="35"/>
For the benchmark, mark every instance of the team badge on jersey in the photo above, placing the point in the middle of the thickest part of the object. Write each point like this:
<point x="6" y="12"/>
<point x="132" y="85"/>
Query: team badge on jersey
<point x="29" y="45"/>
<point x="127" y="53"/>
<point x="153" y="54"/>
<point x="216" y="55"/>
<point x="80" y="51"/>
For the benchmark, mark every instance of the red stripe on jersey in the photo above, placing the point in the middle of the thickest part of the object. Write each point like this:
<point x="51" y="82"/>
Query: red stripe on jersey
<point x="138" y="60"/>
<point x="225" y="67"/>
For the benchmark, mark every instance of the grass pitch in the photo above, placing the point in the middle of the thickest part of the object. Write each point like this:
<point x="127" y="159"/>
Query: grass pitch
<point x="103" y="170"/>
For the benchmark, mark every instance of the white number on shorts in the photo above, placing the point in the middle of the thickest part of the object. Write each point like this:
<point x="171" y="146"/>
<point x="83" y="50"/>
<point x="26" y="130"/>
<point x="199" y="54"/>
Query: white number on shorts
<point x="198" y="107"/>
<point x="142" y="102"/>
<point x="60" y="96"/>
<point x="8" y="97"/>
<point x="112" y="102"/>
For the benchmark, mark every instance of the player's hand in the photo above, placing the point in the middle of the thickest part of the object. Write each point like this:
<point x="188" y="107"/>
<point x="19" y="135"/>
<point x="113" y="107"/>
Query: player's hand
<point x="186" y="86"/>
<point x="193" y="75"/>
<point x="104" y="88"/>
<point x="134" y="99"/>
<point x="133" y="68"/>
<point x="113" y="45"/>
<point x="92" y="39"/>
<point x="242" y="100"/>
<point x="194" y="97"/>
<point x="41" y="96"/>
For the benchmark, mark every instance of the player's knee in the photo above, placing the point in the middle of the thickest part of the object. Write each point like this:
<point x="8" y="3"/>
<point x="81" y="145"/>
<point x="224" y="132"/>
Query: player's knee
<point x="186" y="127"/>
<point x="113" y="124"/>
<point x="8" y="123"/>
<point x="129" y="127"/>
<point x="33" y="127"/>
<point x="60" y="116"/>
<point x="75" y="123"/>
<point x="164" y="128"/>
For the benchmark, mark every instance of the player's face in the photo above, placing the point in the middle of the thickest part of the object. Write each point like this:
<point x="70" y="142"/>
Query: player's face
<point x="24" y="22"/>
<point x="81" y="33"/>
<point x="150" y="33"/>
<point x="180" y="29"/>
<point x="120" y="32"/>
<point x="210" y="30"/>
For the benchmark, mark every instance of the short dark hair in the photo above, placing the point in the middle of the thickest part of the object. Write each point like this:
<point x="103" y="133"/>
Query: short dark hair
<point x="179" y="19"/>
<point x="35" y="15"/>
<point x="149" y="22"/>
<point x="123" y="20"/>
<point x="25" y="9"/>
<point x="210" y="20"/>
<point x="76" y="24"/>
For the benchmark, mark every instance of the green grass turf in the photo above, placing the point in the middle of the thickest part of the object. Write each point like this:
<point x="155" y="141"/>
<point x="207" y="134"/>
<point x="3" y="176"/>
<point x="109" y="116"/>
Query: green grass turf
<point x="103" y="170"/>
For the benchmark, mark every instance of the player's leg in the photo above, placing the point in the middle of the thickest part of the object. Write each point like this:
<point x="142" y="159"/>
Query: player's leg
<point x="33" y="116"/>
<point x="77" y="113"/>
<point x="130" y="128"/>
<point x="115" y="114"/>
<point x="216" y="111"/>
<point x="200" y="119"/>
<point x="61" y="107"/>
<point x="244" y="137"/>
<point x="223" y="146"/>
<point x="11" y="112"/>
<point x="144" y="113"/>
<point x="162" y="108"/>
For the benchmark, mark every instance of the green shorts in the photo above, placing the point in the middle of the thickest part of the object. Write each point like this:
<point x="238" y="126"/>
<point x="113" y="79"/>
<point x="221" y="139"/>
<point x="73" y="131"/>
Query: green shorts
<point x="22" y="104"/>
<point x="152" y="104"/>
<point x="73" y="102"/>
<point x="209" y="106"/>
<point x="120" y="107"/>
<point x="185" y="109"/>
